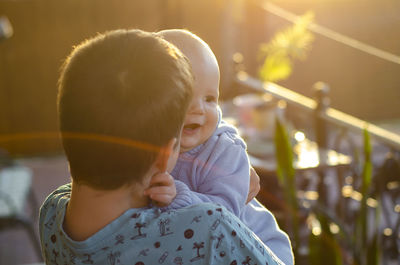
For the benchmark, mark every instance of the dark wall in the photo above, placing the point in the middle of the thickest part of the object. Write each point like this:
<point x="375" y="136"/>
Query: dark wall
<point x="44" y="33"/>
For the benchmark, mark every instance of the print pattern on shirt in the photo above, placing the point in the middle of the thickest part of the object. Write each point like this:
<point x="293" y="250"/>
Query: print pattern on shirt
<point x="138" y="227"/>
<point x="119" y="239"/>
<point x="88" y="259"/>
<point x="144" y="252"/>
<point x="113" y="258"/>
<point x="164" y="229"/>
<point x="196" y="219"/>
<point x="178" y="261"/>
<point x="49" y="224"/>
<point x="219" y="240"/>
<point x="156" y="237"/>
<point x="163" y="257"/>
<point x="198" y="246"/>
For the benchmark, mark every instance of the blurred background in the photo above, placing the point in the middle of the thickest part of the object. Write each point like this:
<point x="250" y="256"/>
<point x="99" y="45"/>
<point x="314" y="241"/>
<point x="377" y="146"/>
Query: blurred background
<point x="351" y="47"/>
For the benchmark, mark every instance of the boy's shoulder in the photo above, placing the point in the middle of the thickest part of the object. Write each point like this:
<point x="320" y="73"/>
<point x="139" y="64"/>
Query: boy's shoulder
<point x="210" y="210"/>
<point x="208" y="216"/>
<point x="55" y="203"/>
<point x="62" y="193"/>
<point x="219" y="223"/>
<point x="211" y="215"/>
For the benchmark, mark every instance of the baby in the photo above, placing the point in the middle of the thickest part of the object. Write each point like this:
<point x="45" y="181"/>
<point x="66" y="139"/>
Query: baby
<point x="213" y="165"/>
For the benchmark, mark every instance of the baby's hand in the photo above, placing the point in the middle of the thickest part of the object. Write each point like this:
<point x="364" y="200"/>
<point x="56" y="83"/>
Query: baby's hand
<point x="254" y="185"/>
<point x="162" y="189"/>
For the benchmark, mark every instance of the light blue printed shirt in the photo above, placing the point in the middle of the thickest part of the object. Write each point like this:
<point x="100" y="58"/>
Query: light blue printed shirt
<point x="200" y="234"/>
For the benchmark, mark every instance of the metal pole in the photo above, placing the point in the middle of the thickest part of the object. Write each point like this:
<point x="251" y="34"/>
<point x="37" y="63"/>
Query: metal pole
<point x="321" y="91"/>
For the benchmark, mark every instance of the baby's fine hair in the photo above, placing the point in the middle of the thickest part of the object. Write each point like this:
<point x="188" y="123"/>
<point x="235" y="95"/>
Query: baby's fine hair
<point x="122" y="95"/>
<point x="185" y="39"/>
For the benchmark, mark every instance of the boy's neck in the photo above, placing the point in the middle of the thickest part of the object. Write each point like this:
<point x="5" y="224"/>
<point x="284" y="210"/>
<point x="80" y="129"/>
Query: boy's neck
<point x="89" y="210"/>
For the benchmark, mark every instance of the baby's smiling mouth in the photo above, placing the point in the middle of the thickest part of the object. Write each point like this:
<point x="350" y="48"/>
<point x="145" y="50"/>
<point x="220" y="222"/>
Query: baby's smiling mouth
<point x="191" y="127"/>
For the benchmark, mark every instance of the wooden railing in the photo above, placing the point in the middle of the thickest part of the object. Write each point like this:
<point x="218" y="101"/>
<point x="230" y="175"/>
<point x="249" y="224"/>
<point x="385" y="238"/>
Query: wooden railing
<point x="321" y="108"/>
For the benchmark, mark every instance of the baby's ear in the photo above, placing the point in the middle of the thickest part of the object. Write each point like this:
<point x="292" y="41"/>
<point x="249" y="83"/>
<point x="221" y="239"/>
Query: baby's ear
<point x="164" y="155"/>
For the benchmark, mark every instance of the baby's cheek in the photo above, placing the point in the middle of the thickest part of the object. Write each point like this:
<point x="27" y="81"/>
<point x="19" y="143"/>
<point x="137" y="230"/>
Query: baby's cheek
<point x="215" y="116"/>
<point x="186" y="119"/>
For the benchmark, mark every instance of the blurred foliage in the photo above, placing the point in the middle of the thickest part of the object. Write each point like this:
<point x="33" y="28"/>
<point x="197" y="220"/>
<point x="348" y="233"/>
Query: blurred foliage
<point x="348" y="242"/>
<point x="322" y="244"/>
<point x="286" y="176"/>
<point x="366" y="250"/>
<point x="290" y="44"/>
<point x="284" y="154"/>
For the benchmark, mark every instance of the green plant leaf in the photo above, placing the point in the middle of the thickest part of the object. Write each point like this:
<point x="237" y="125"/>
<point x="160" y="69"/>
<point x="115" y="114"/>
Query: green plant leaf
<point x="373" y="251"/>
<point x="362" y="244"/>
<point x="284" y="154"/>
<point x="287" y="45"/>
<point x="367" y="170"/>
<point x="286" y="174"/>
<point x="324" y="247"/>
<point x="276" y="67"/>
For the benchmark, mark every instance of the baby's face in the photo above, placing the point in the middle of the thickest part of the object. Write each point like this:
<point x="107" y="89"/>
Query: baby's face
<point x="202" y="117"/>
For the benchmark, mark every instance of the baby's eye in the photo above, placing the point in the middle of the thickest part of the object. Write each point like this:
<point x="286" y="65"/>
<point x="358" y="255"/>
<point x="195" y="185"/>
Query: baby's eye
<point x="211" y="99"/>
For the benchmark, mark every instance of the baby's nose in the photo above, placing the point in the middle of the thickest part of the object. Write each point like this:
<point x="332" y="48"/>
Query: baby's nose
<point x="197" y="107"/>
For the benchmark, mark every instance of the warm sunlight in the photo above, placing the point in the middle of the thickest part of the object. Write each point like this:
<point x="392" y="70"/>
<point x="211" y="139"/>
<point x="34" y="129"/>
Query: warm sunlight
<point x="307" y="153"/>
<point x="327" y="159"/>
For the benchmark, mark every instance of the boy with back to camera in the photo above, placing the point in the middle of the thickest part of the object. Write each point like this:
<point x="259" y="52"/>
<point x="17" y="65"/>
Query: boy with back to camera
<point x="123" y="96"/>
<point x="213" y="165"/>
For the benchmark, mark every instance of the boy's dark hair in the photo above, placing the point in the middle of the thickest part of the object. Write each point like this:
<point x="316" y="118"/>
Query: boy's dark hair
<point x="122" y="96"/>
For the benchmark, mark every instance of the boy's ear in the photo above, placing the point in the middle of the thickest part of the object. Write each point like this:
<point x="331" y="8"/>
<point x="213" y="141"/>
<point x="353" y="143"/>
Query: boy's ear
<point x="164" y="155"/>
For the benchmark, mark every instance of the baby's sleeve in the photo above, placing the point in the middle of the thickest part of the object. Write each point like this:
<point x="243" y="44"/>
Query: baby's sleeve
<point x="222" y="176"/>
<point x="227" y="177"/>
